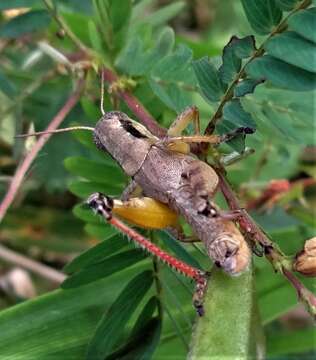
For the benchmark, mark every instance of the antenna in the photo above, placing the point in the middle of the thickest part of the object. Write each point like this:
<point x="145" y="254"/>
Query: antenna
<point x="56" y="131"/>
<point x="102" y="93"/>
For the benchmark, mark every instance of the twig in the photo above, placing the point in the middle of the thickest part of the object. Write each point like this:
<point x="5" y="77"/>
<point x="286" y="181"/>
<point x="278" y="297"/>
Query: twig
<point x="273" y="254"/>
<point x="26" y="163"/>
<point x="135" y="106"/>
<point x="259" y="52"/>
<point x="44" y="271"/>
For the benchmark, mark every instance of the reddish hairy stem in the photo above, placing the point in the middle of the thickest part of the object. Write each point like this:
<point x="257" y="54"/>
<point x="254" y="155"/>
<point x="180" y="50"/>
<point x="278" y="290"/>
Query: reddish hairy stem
<point x="29" y="158"/>
<point x="134" y="105"/>
<point x="153" y="249"/>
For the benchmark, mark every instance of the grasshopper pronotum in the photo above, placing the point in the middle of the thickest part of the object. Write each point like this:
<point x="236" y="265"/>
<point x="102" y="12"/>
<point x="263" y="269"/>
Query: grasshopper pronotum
<point x="172" y="182"/>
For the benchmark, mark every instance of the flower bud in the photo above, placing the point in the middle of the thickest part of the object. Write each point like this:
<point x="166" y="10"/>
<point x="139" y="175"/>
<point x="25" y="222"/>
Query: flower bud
<point x="305" y="260"/>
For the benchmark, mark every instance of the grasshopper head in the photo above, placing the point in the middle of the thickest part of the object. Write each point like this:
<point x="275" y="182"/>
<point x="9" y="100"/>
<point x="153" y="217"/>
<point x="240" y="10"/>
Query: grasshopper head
<point x="127" y="141"/>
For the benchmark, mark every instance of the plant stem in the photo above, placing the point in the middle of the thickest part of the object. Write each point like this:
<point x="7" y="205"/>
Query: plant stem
<point x="273" y="254"/>
<point x="135" y="106"/>
<point x="259" y="52"/>
<point x="26" y="163"/>
<point x="44" y="271"/>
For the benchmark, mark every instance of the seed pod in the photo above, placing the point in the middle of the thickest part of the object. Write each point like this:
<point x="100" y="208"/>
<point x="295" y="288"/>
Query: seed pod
<point x="305" y="260"/>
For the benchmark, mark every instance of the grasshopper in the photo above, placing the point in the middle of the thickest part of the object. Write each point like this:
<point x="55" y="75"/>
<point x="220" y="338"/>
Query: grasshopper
<point x="172" y="183"/>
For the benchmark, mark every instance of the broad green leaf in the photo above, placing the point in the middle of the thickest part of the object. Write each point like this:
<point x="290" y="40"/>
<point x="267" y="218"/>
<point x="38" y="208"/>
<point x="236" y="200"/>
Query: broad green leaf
<point x="97" y="253"/>
<point x="29" y="22"/>
<point x="291" y="342"/>
<point x="233" y="52"/>
<point x="293" y="49"/>
<point x="227" y="327"/>
<point x="103" y="268"/>
<point x="146" y="315"/>
<point x="262" y="15"/>
<point x="102" y="172"/>
<point x="57" y="325"/>
<point x="15" y="4"/>
<point x="7" y="86"/>
<point x="286" y="5"/>
<point x="246" y="86"/>
<point x="208" y="79"/>
<point x="281" y="74"/>
<point x="304" y="23"/>
<point x="164" y="14"/>
<point x="112" y="325"/>
<point x="142" y="345"/>
<point x="83" y="189"/>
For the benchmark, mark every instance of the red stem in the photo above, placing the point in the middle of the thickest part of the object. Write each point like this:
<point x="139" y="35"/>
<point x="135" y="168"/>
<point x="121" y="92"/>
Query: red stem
<point x="26" y="163"/>
<point x="135" y="106"/>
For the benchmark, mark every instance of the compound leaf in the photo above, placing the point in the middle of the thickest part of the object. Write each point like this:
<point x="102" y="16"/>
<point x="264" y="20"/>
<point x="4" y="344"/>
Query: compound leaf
<point x="281" y="74"/>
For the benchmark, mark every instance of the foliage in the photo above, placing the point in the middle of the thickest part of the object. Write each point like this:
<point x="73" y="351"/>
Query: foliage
<point x="116" y="302"/>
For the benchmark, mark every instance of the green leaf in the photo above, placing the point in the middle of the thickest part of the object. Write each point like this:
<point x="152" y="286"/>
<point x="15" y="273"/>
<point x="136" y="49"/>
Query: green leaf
<point x="113" y="323"/>
<point x="175" y="66"/>
<point x="233" y="52"/>
<point x="142" y="345"/>
<point x="15" y="4"/>
<point x="143" y="61"/>
<point x="102" y="231"/>
<point x="145" y="316"/>
<point x="276" y="302"/>
<point x="29" y="22"/>
<point x="57" y="325"/>
<point x="304" y="23"/>
<point x="104" y="268"/>
<point x="246" y="86"/>
<point x="281" y="74"/>
<point x="262" y="15"/>
<point x="97" y="253"/>
<point x="171" y="96"/>
<point x="291" y="342"/>
<point x="102" y="172"/>
<point x="7" y="86"/>
<point x="293" y="49"/>
<point x="83" y="189"/>
<point x="286" y="5"/>
<point x="208" y="79"/>
<point x="227" y="327"/>
<point x="83" y="212"/>
<point x="235" y="116"/>
<point x="113" y="18"/>
<point x="164" y="14"/>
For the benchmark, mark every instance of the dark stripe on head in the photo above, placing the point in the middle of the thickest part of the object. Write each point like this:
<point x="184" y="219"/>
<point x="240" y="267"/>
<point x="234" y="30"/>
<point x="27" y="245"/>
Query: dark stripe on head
<point x="129" y="127"/>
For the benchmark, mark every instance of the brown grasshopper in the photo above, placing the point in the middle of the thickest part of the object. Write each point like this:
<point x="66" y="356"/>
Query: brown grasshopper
<point x="173" y="182"/>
